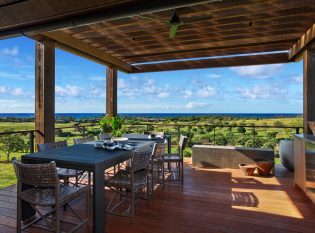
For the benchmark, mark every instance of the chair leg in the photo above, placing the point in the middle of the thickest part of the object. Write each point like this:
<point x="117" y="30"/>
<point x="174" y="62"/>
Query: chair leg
<point x="152" y="185"/>
<point x="57" y="219"/>
<point x="132" y="205"/>
<point x="149" y="189"/>
<point x="18" y="215"/>
<point x="182" y="173"/>
<point x="163" y="175"/>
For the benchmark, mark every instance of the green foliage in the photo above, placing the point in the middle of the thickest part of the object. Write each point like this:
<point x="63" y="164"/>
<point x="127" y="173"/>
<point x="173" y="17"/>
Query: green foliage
<point x="10" y="143"/>
<point x="278" y="124"/>
<point x="221" y="140"/>
<point x="111" y="125"/>
<point x="241" y="130"/>
<point x="187" y="153"/>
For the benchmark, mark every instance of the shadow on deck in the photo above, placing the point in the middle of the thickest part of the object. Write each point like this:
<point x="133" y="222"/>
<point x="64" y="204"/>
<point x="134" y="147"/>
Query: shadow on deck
<point x="211" y="200"/>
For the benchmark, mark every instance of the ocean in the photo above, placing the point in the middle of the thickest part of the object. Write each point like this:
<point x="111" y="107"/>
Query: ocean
<point x="158" y="115"/>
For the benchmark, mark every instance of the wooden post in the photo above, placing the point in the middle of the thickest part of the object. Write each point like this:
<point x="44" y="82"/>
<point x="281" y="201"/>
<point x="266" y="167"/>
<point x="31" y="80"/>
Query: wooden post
<point x="308" y="89"/>
<point x="45" y="91"/>
<point x="111" y="91"/>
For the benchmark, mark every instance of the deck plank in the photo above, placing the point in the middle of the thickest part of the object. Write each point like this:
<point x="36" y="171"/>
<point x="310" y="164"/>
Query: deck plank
<point x="211" y="200"/>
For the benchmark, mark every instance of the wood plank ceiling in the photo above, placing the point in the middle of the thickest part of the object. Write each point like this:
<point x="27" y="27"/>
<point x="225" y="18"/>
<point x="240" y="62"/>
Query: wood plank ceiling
<point x="223" y="28"/>
<point x="233" y="27"/>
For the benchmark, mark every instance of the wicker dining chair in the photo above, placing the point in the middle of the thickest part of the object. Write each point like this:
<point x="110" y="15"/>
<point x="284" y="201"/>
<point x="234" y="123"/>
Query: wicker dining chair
<point x="64" y="173"/>
<point x="157" y="166"/>
<point x="44" y="190"/>
<point x="83" y="140"/>
<point x="127" y="184"/>
<point x="105" y="136"/>
<point x="178" y="159"/>
<point x="86" y="139"/>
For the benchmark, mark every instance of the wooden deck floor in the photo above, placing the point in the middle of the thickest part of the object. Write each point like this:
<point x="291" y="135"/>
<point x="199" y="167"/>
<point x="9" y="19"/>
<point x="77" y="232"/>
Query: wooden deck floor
<point x="211" y="200"/>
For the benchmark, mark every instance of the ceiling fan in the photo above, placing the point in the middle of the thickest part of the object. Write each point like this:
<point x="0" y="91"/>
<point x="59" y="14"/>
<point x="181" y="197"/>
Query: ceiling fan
<point x="175" y="21"/>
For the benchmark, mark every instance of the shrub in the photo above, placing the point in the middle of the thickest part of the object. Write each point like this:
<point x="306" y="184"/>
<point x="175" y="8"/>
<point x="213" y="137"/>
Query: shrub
<point x="187" y="154"/>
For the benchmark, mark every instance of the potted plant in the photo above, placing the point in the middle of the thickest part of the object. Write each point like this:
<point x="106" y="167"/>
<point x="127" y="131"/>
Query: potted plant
<point x="111" y="124"/>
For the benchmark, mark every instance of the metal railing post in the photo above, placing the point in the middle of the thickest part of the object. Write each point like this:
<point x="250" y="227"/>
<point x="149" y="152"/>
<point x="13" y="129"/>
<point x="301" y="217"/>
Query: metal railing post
<point x="254" y="136"/>
<point x="31" y="139"/>
<point x="83" y="131"/>
<point x="214" y="135"/>
<point x="297" y="130"/>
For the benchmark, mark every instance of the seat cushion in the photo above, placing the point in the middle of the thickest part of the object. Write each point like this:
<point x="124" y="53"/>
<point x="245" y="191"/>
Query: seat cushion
<point x="122" y="179"/>
<point x="47" y="197"/>
<point x="172" y="158"/>
<point x="68" y="173"/>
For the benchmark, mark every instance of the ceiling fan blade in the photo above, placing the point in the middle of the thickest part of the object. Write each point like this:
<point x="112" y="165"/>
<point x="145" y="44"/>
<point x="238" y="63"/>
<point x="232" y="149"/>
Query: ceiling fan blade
<point x="173" y="31"/>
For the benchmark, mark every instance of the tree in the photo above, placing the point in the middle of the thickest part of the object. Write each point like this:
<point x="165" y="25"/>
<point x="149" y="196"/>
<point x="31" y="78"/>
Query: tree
<point x="9" y="143"/>
<point x="241" y="130"/>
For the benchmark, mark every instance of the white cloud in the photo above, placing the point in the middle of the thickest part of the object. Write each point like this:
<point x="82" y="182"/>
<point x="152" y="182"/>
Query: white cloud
<point x="10" y="51"/>
<point x="214" y="76"/>
<point x="18" y="92"/>
<point x="3" y="89"/>
<point x="206" y="92"/>
<point x="258" y="71"/>
<point x="97" y="78"/>
<point x="163" y="94"/>
<point x="187" y="94"/>
<point x="262" y="92"/>
<point x="69" y="91"/>
<point x="194" y="105"/>
<point x="297" y="79"/>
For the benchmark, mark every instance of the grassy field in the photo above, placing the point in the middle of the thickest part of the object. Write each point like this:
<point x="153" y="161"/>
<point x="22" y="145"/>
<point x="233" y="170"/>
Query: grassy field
<point x="198" y="134"/>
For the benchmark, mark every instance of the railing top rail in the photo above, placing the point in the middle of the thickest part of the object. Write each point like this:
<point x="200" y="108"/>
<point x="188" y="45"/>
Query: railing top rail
<point x="218" y="125"/>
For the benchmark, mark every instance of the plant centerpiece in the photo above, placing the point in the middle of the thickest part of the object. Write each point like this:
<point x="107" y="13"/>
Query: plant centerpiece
<point x="111" y="124"/>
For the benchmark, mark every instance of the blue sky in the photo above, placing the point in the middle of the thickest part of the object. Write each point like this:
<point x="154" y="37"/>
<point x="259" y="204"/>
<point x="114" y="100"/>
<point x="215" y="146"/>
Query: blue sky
<point x="80" y="86"/>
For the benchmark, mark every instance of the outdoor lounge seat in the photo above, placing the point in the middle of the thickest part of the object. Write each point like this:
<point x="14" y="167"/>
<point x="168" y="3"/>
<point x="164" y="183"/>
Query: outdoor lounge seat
<point x="63" y="173"/>
<point x="45" y="190"/>
<point x="127" y="184"/>
<point x="178" y="159"/>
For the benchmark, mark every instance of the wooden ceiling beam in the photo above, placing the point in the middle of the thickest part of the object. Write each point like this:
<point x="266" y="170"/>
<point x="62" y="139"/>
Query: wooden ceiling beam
<point x="222" y="47"/>
<point x="214" y="63"/>
<point x="211" y="45"/>
<point x="213" y="52"/>
<point x="299" y="47"/>
<point x="73" y="45"/>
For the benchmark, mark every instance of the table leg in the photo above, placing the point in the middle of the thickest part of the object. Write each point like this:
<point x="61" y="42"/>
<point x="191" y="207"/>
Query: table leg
<point x="99" y="217"/>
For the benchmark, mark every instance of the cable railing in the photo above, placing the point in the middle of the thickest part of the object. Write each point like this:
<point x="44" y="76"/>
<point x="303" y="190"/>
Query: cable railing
<point x="215" y="134"/>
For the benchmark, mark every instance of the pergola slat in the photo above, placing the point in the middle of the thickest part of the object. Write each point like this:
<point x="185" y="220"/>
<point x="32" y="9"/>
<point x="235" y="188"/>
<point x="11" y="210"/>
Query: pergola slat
<point x="214" y="63"/>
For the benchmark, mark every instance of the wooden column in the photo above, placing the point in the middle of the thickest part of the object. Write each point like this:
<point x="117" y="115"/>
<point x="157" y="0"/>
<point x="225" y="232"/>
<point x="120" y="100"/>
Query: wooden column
<point x="45" y="91"/>
<point x="111" y="91"/>
<point x="308" y="89"/>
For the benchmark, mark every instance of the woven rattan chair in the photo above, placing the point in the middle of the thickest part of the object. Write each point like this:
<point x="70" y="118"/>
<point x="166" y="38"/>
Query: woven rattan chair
<point x="127" y="184"/>
<point x="44" y="190"/>
<point x="156" y="133"/>
<point x="105" y="136"/>
<point x="83" y="140"/>
<point x="64" y="173"/>
<point x="157" y="166"/>
<point x="178" y="159"/>
<point x="86" y="139"/>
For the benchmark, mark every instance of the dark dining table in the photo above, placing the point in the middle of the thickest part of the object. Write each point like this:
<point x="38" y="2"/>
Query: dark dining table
<point x="84" y="157"/>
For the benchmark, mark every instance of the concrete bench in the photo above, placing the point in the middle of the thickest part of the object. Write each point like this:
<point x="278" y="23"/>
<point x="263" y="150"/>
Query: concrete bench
<point x="227" y="156"/>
